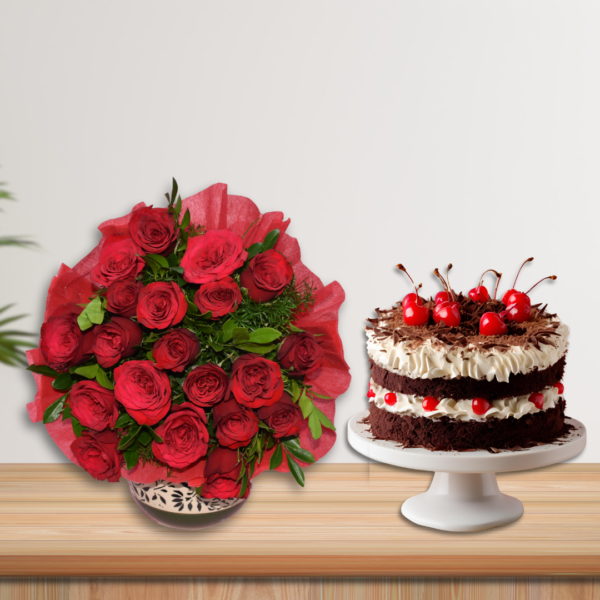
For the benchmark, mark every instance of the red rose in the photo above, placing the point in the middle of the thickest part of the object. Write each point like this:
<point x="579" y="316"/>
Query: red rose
<point x="93" y="405"/>
<point x="116" y="340"/>
<point x="119" y="260"/>
<point x="143" y="390"/>
<point x="97" y="454"/>
<point x="235" y="425"/>
<point x="256" y="381"/>
<point x="153" y="229"/>
<point x="301" y="353"/>
<point x="122" y="297"/>
<point x="62" y="342"/>
<point x="266" y="276"/>
<point x="176" y="350"/>
<point x="284" y="417"/>
<point x="184" y="435"/>
<point x="161" y="305"/>
<point x="213" y="256"/>
<point x="206" y="385"/>
<point x="220" y="297"/>
<point x="222" y="472"/>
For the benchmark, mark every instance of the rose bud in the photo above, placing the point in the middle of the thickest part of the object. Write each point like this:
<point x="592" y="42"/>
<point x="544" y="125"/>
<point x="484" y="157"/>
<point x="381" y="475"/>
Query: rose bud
<point x="122" y="297"/>
<point x="266" y="276"/>
<point x="284" y="417"/>
<point x="143" y="390"/>
<point x="300" y="353"/>
<point x="116" y="340"/>
<point x="97" y="454"/>
<point x="220" y="297"/>
<point x="153" y="229"/>
<point x="206" y="385"/>
<point x="213" y="256"/>
<point x="222" y="474"/>
<point x="184" y="435"/>
<point x="256" y="381"/>
<point x="62" y="343"/>
<point x="93" y="405"/>
<point x="235" y="425"/>
<point x="161" y="305"/>
<point x="176" y="350"/>
<point x="119" y="260"/>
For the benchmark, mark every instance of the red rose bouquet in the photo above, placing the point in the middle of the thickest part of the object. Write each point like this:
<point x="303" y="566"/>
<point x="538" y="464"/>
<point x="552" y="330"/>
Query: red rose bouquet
<point x="191" y="345"/>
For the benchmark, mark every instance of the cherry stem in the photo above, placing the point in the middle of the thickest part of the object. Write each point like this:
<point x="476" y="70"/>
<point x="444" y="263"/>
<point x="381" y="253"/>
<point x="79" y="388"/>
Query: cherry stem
<point x="552" y="277"/>
<point x="519" y="272"/>
<point x="448" y="278"/>
<point x="488" y="271"/>
<point x="401" y="268"/>
<point x="439" y="276"/>
<point x="499" y="275"/>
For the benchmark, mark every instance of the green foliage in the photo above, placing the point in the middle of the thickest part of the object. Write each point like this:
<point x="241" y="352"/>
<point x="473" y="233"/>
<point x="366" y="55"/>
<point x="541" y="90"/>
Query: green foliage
<point x="92" y="314"/>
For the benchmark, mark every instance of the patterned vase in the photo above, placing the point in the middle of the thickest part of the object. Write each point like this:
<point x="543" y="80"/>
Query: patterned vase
<point x="177" y="505"/>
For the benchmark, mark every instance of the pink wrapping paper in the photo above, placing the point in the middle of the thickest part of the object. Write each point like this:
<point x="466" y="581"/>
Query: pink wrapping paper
<point x="214" y="209"/>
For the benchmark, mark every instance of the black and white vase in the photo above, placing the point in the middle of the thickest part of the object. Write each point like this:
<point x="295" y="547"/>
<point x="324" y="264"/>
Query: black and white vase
<point x="177" y="505"/>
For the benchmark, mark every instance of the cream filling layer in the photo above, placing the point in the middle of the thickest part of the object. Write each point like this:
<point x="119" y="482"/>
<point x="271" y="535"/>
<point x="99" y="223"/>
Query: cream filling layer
<point x="462" y="410"/>
<point x="426" y="362"/>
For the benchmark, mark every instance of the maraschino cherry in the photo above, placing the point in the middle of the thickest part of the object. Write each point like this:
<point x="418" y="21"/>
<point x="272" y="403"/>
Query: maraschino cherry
<point x="492" y="323"/>
<point x="446" y="311"/>
<point x="480" y="406"/>
<point x="414" y="310"/>
<point x="390" y="399"/>
<point x="430" y="403"/>
<point x="560" y="387"/>
<point x="520" y="308"/>
<point x="480" y="293"/>
<point x="442" y="297"/>
<point x="507" y="298"/>
<point x="412" y="297"/>
<point x="537" y="400"/>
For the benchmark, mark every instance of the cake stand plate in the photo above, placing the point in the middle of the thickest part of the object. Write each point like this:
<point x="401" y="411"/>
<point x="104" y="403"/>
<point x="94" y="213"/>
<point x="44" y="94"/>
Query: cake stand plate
<point x="464" y="493"/>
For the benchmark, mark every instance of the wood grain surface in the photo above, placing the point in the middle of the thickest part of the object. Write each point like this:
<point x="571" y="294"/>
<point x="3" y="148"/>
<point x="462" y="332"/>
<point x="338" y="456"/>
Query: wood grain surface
<point x="57" y="521"/>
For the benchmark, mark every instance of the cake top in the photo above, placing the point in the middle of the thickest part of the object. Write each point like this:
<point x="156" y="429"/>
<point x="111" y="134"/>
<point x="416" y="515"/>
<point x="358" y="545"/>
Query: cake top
<point x="453" y="320"/>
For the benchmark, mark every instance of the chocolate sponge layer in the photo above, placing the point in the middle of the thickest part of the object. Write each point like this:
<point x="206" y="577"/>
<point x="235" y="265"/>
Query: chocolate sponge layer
<point x="465" y="388"/>
<point x="448" y="434"/>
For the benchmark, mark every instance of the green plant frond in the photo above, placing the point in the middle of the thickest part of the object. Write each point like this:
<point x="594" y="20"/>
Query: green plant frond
<point x="10" y="320"/>
<point x="6" y="307"/>
<point x="21" y="242"/>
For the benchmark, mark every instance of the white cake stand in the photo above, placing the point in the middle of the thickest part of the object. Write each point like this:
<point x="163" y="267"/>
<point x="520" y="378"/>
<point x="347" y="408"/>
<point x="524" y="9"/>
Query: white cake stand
<point x="464" y="493"/>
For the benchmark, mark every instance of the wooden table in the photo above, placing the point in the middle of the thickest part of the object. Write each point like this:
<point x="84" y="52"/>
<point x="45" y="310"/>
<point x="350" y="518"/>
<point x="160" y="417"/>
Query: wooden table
<point x="57" y="521"/>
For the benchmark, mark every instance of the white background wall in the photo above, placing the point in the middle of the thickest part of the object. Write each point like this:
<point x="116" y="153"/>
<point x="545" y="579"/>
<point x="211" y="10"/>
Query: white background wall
<point x="415" y="132"/>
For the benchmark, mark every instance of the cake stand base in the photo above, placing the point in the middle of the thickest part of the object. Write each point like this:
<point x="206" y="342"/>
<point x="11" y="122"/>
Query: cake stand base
<point x="464" y="494"/>
<point x="463" y="502"/>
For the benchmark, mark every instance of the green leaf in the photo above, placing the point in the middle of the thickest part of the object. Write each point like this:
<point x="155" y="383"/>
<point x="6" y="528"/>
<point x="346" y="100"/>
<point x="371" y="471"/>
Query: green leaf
<point x="240" y="335"/>
<point x="295" y="470"/>
<point x="254" y="250"/>
<point x="54" y="410"/>
<point x="42" y="370"/>
<point x="205" y="328"/>
<point x="177" y="270"/>
<point x="178" y="207"/>
<point x="228" y="328"/>
<point x="186" y="219"/>
<point x="264" y="335"/>
<point x="77" y="428"/>
<point x="92" y="314"/>
<point x="149" y="356"/>
<point x="320" y="396"/>
<point x="276" y="458"/>
<point x="306" y="404"/>
<point x="294" y="448"/>
<point x="172" y="260"/>
<point x="129" y="438"/>
<point x="256" y="348"/>
<point x="215" y="347"/>
<point x="123" y="420"/>
<point x="314" y="425"/>
<point x="144" y="438"/>
<point x="296" y="390"/>
<point x="244" y="484"/>
<point x="206" y="316"/>
<point x="88" y="372"/>
<point x="296" y="329"/>
<point x="158" y="259"/>
<point x="103" y="380"/>
<point x="323" y="419"/>
<point x="132" y="456"/>
<point x="153" y="265"/>
<point x="63" y="382"/>
<point x="270" y="240"/>
<point x="153" y="434"/>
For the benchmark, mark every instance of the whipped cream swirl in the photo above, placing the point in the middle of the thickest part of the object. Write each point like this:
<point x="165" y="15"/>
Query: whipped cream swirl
<point x="462" y="410"/>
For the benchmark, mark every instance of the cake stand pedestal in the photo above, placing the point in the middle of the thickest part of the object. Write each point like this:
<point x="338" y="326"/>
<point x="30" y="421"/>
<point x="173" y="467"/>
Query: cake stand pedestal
<point x="464" y="493"/>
